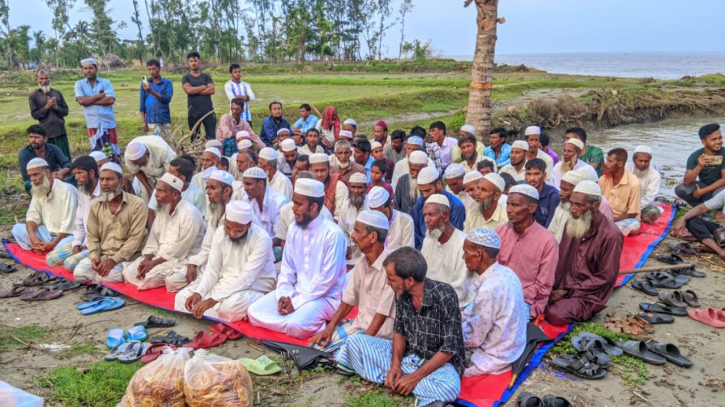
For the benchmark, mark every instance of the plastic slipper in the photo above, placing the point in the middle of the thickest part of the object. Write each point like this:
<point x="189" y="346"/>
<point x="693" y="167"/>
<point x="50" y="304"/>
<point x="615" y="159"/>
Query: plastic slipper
<point x="690" y="298"/>
<point x="40" y="294"/>
<point x="674" y="299"/>
<point x="16" y="291"/>
<point x="133" y="353"/>
<point x="556" y="401"/>
<point x="609" y="346"/>
<point x="579" y="367"/>
<point x="682" y="249"/>
<point x="116" y="336"/>
<point x="137" y="333"/>
<point x="106" y="304"/>
<point x="172" y="338"/>
<point x="663" y="309"/>
<point x="720" y="314"/>
<point x="671" y="259"/>
<point x="7" y="268"/>
<point x="692" y="272"/>
<point x="638" y="349"/>
<point x="98" y="290"/>
<point x="154" y="351"/>
<point x="157" y="322"/>
<point x="662" y="280"/>
<point x="36" y="279"/>
<point x="222" y="329"/>
<point x="669" y="352"/>
<point x="655" y="318"/>
<point x="117" y="351"/>
<point x="262" y="366"/>
<point x="645" y="286"/>
<point x="63" y="285"/>
<point x="205" y="340"/>
<point x="526" y="400"/>
<point x="706" y="316"/>
<point x="90" y="303"/>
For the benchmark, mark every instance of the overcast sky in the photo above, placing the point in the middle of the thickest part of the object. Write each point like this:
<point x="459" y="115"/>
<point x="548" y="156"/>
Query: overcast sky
<point x="532" y="26"/>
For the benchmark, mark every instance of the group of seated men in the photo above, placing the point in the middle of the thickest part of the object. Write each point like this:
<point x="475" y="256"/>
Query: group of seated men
<point x="461" y="252"/>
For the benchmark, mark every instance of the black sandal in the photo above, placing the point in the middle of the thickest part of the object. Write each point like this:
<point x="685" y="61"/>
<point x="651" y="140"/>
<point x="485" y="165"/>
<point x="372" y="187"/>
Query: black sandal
<point x="7" y="268"/>
<point x="529" y="400"/>
<point x="579" y="366"/>
<point x="157" y="322"/>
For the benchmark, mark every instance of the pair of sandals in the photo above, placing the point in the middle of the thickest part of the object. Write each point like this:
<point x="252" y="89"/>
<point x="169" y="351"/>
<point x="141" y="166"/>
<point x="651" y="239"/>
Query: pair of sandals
<point x="127" y="352"/>
<point x="532" y="400"/>
<point x="709" y="316"/>
<point x="100" y="304"/>
<point x="172" y="338"/>
<point x="688" y="269"/>
<point x="635" y="327"/>
<point x="680" y="299"/>
<point x="654" y="280"/>
<point x="95" y="291"/>
<point x="593" y="357"/>
<point x="660" y="313"/>
<point x="655" y="353"/>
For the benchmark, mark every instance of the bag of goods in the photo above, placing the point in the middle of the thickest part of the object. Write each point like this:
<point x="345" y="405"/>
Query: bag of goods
<point x="216" y="381"/>
<point x="160" y="383"/>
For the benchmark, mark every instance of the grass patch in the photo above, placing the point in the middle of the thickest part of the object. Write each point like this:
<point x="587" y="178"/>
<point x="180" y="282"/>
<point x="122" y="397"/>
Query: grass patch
<point x="9" y="213"/>
<point x="10" y="337"/>
<point x="376" y="397"/>
<point x="100" y="384"/>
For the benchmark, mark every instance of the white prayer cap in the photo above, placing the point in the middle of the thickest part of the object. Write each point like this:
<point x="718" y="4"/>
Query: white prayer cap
<point x="88" y="61"/>
<point x="244" y="144"/>
<point x="418" y="158"/>
<point x="255" y="172"/>
<point x="36" y="163"/>
<point x="239" y="212"/>
<point x="358" y="178"/>
<point x="377" y="197"/>
<point x="98" y="155"/>
<point x="428" y="175"/>
<point x="222" y="176"/>
<point x="374" y="145"/>
<point x="135" y="150"/>
<point x="588" y="188"/>
<point x="521" y="144"/>
<point x="576" y="142"/>
<point x="268" y="154"/>
<point x="283" y="130"/>
<point x="309" y="187"/>
<point x="532" y="130"/>
<point x="317" y="158"/>
<point x="438" y="199"/>
<point x="288" y="145"/>
<point x="206" y="174"/>
<point x="213" y="143"/>
<point x="345" y="134"/>
<point x="496" y="180"/>
<point x="644" y="150"/>
<point x="415" y="140"/>
<point x="374" y="219"/>
<point x="573" y="177"/>
<point x="472" y="176"/>
<point x="242" y="134"/>
<point x="111" y="166"/>
<point x="454" y="170"/>
<point x="214" y="151"/>
<point x="484" y="237"/>
<point x="350" y="121"/>
<point x="173" y="181"/>
<point x="588" y="173"/>
<point x="525" y="189"/>
<point x="468" y="128"/>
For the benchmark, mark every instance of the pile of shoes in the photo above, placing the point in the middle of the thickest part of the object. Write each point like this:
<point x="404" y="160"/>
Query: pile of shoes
<point x="40" y="286"/>
<point x="593" y="358"/>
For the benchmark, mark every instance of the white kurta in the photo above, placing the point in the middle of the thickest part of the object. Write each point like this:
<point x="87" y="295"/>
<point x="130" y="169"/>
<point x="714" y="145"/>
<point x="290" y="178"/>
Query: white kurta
<point x="475" y="219"/>
<point x="198" y="180"/>
<point x="199" y="259"/>
<point x="557" y="173"/>
<point x="558" y="222"/>
<point x="649" y="185"/>
<point x="281" y="184"/>
<point x="312" y="276"/>
<point x="401" y="168"/>
<point x="445" y="263"/>
<point x="494" y="323"/>
<point x="518" y="175"/>
<point x="268" y="215"/>
<point x="160" y="156"/>
<point x="346" y="221"/>
<point x="192" y="195"/>
<point x="236" y="275"/>
<point x="467" y="200"/>
<point x="341" y="195"/>
<point x="84" y="207"/>
<point x="238" y="192"/>
<point x="287" y="217"/>
<point x="401" y="232"/>
<point x="57" y="210"/>
<point x="368" y="289"/>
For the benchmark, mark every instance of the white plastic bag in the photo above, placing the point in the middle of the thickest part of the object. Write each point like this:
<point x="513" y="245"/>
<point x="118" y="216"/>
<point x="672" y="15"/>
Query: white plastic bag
<point x="211" y="380"/>
<point x="12" y="397"/>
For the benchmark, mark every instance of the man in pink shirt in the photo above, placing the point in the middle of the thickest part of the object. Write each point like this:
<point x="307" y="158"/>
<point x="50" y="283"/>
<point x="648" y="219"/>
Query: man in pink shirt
<point x="528" y="248"/>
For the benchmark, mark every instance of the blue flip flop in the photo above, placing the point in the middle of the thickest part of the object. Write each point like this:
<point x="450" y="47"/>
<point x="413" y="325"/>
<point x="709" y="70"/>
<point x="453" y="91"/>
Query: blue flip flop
<point x="89" y="304"/>
<point x="106" y="304"/>
<point x="137" y="333"/>
<point x="116" y="336"/>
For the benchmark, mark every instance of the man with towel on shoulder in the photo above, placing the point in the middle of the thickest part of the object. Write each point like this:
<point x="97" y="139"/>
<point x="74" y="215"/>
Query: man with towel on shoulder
<point x="148" y="158"/>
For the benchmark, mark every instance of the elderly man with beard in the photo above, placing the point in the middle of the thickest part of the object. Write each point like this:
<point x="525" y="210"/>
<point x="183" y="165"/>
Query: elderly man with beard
<point x="443" y="248"/>
<point x="429" y="183"/>
<point x="269" y="162"/>
<point x="533" y="137"/>
<point x="85" y="170"/>
<point x="517" y="167"/>
<point x="51" y="214"/>
<point x="402" y="229"/>
<point x="115" y="230"/>
<point x="528" y="248"/>
<point x="240" y="269"/>
<point x="341" y="163"/>
<point x="356" y="202"/>
<point x="175" y="235"/>
<point x="648" y="176"/>
<point x="570" y="161"/>
<point x="414" y="143"/>
<point x="336" y="191"/>
<point x="591" y="246"/>
<point x="184" y="170"/>
<point x="621" y="188"/>
<point x="148" y="158"/>
<point x="454" y="176"/>
<point x="488" y="213"/>
<point x="407" y="187"/>
<point x="470" y="185"/>
<point x="265" y="202"/>
<point x="48" y="107"/>
<point x="210" y="161"/>
<point x="562" y="213"/>
<point x="287" y="216"/>
<point x="312" y="276"/>
<point x="548" y="195"/>
<point x="287" y="156"/>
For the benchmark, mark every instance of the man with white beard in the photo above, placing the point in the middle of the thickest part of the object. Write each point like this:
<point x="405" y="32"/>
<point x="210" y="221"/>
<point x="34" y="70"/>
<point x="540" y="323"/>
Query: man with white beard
<point x="569" y="161"/>
<point x="443" y="248"/>
<point x="413" y="143"/>
<point x="649" y="178"/>
<point x="591" y="246"/>
<point x="51" y="214"/>
<point x="115" y="229"/>
<point x="407" y="187"/>
<point x="210" y="162"/>
<point x="48" y="107"/>
<point x="356" y="203"/>
<point x="488" y="213"/>
<point x="269" y="161"/>
<point x="562" y="214"/>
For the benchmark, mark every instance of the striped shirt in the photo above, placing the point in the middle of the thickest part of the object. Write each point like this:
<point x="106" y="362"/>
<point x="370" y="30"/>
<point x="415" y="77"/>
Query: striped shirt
<point x="234" y="90"/>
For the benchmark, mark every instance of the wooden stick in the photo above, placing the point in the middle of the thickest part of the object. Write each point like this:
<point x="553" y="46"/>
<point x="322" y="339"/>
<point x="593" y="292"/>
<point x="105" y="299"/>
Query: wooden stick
<point x="659" y="268"/>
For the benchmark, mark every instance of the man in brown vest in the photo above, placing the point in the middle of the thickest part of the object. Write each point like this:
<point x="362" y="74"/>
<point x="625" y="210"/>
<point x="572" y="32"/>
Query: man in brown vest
<point x="335" y="189"/>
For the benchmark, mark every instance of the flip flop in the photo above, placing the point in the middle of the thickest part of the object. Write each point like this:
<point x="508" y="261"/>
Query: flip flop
<point x="222" y="329"/>
<point x="690" y="298"/>
<point x="655" y="318"/>
<point x="154" y="351"/>
<point x="669" y="352"/>
<point x="262" y="366"/>
<point x="663" y="309"/>
<point x="133" y="353"/>
<point x="156" y="322"/>
<point x="645" y="286"/>
<point x="682" y="249"/>
<point x="116" y="336"/>
<point x="90" y="303"/>
<point x="36" y="279"/>
<point x="7" y="268"/>
<point x="529" y="400"/>
<point x="609" y="346"/>
<point x="674" y="299"/>
<point x="137" y="333"/>
<point x="638" y="349"/>
<point x="556" y="401"/>
<point x="117" y="351"/>
<point x="205" y="340"/>
<point x="665" y="280"/>
<point x="706" y="316"/>
<point x="579" y="367"/>
<point x="106" y="304"/>
<point x="40" y="294"/>
<point x="671" y="259"/>
<point x="16" y="291"/>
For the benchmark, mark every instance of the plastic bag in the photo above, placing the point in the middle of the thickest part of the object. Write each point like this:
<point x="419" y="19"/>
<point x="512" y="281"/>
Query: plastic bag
<point x="12" y="397"/>
<point x="629" y="226"/>
<point x="160" y="383"/>
<point x="211" y="380"/>
<point x="650" y="213"/>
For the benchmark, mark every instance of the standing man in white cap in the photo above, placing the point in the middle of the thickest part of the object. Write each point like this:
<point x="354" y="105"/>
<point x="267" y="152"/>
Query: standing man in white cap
<point x="232" y="123"/>
<point x="51" y="214"/>
<point x="621" y="188"/>
<point x="269" y="162"/>
<point x="648" y="176"/>
<point x="97" y="97"/>
<point x="414" y="143"/>
<point x="341" y="162"/>
<point x="443" y="248"/>
<point x="184" y="170"/>
<point x="356" y="202"/>
<point x="368" y="289"/>
<point x="239" y="272"/>
<point x="591" y="246"/>
<point x="264" y="201"/>
<point x="312" y="276"/>
<point x="287" y="156"/>
<point x="454" y="175"/>
<point x="402" y="229"/>
<point x="175" y="235"/>
<point x="438" y="136"/>
<point x="494" y="322"/>
<point x="115" y="230"/>
<point x="570" y="161"/>
<point x="533" y="137"/>
<point x="548" y="195"/>
<point x="287" y="216"/>
<point x="210" y="161"/>
<point x="429" y="183"/>
<point x="336" y="192"/>
<point x="406" y="190"/>
<point x="148" y="158"/>
<point x="488" y="213"/>
<point x="517" y="166"/>
<point x="498" y="150"/>
<point x="528" y="248"/>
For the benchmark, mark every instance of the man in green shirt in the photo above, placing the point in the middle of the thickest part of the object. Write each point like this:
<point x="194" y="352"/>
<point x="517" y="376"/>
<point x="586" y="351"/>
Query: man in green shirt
<point x="591" y="155"/>
<point x="705" y="175"/>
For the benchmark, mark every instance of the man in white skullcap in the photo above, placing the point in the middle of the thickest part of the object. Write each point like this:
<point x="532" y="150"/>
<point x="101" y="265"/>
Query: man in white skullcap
<point x="184" y="170"/>
<point x="443" y="248"/>
<point x="239" y="271"/>
<point x="175" y="235"/>
<point x="341" y="162"/>
<point x="649" y="178"/>
<point x="533" y="137"/>
<point x="312" y="276"/>
<point x="287" y="216"/>
<point x="517" y="166"/>
<point x="287" y="156"/>
<point x="562" y="213"/>
<point x="147" y="158"/>
<point x="210" y="162"/>
<point x="402" y="229"/>
<point x="407" y="191"/>
<point x="51" y="215"/>
<point x="97" y="97"/>
<point x="265" y="202"/>
<point x="488" y="212"/>
<point x="413" y="143"/>
<point x="495" y="321"/>
<point x="528" y="248"/>
<point x="368" y="289"/>
<point x="621" y="188"/>
<point x="588" y="172"/>
<point x="429" y="183"/>
<point x="269" y="162"/>
<point x="100" y="157"/>
<point x="356" y="202"/>
<point x="591" y="154"/>
<point x="350" y="125"/>
<point x="454" y="175"/>
<point x="570" y="161"/>
<point x="115" y="230"/>
<point x="470" y="184"/>
<point x="336" y="192"/>
<point x="592" y="246"/>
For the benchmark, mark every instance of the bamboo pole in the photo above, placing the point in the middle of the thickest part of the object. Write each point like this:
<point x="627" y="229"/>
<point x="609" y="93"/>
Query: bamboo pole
<point x="659" y="268"/>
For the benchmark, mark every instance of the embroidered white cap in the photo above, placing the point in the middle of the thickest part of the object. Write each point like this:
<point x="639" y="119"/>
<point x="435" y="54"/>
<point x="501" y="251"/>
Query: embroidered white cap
<point x="532" y="130"/>
<point x="88" y="61"/>
<point x="239" y="212"/>
<point x="521" y="144"/>
<point x="525" y="189"/>
<point x="255" y="172"/>
<point x="588" y="173"/>
<point x="415" y="140"/>
<point x="588" y="188"/>
<point x="439" y="199"/>
<point x="172" y="181"/>
<point x="377" y="197"/>
<point x="472" y="176"/>
<point x="573" y="177"/>
<point x="496" y="180"/>
<point x="374" y="219"/>
<point x="223" y="177"/>
<point x="345" y="134"/>
<point x="358" y="178"/>
<point x="36" y="163"/>
<point x="213" y="144"/>
<point x="135" y="150"/>
<point x="288" y="145"/>
<point x="244" y="144"/>
<point x="468" y="128"/>
<point x="309" y="187"/>
<point x="282" y="131"/>
<point x="643" y="149"/>
<point x="418" y="157"/>
<point x="576" y="143"/>
<point x="428" y="175"/>
<point x="454" y="170"/>
<point x="98" y="155"/>
<point x="350" y="121"/>
<point x="268" y="153"/>
<point x="215" y="151"/>
<point x="374" y="145"/>
<point x="242" y="134"/>
<point x="111" y="166"/>
<point x="484" y="237"/>
<point x="206" y="175"/>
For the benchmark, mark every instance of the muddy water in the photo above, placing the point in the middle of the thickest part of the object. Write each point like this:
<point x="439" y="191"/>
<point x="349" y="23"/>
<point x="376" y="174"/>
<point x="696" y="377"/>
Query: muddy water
<point x="672" y="141"/>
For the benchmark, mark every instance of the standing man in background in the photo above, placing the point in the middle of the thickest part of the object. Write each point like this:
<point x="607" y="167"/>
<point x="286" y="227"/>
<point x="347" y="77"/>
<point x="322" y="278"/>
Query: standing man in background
<point x="48" y="107"/>
<point x="199" y="87"/>
<point x="236" y="88"/>
<point x="155" y="97"/>
<point x="97" y="98"/>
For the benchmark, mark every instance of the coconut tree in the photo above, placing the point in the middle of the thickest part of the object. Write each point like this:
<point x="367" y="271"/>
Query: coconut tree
<point x="39" y="39"/>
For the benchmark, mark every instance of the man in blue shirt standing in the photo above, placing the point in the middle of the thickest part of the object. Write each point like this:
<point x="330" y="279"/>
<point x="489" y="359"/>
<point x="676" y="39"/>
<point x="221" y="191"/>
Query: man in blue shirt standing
<point x="429" y="183"/>
<point x="272" y="124"/>
<point x="97" y="98"/>
<point x="499" y="150"/>
<point x="306" y="121"/>
<point x="155" y="96"/>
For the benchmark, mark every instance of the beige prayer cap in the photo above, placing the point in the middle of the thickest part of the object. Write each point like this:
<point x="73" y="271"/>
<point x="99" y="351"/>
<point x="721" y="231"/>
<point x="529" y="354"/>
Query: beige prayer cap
<point x="288" y="145"/>
<point x="418" y="157"/>
<point x="111" y="166"/>
<point x="588" y="188"/>
<point x="172" y="181"/>
<point x="377" y="197"/>
<point x="454" y="170"/>
<point x="310" y="187"/>
<point x="358" y="178"/>
<point x="345" y="134"/>
<point x="213" y="143"/>
<point x="239" y="212"/>
<point x="472" y="176"/>
<point x="374" y="145"/>
<point x="588" y="173"/>
<point x="242" y="134"/>
<point x="468" y="128"/>
<point x="223" y="177"/>
<point x="374" y="219"/>
<point x="98" y="156"/>
<point x="268" y="154"/>
<point x="244" y="144"/>
<point x="319" y="158"/>
<point x="576" y="142"/>
<point x="532" y="130"/>
<point x="135" y="150"/>
<point x="644" y="150"/>
<point x="36" y="163"/>
<point x="254" y="172"/>
<point x="438" y="199"/>
<point x="428" y="175"/>
<point x="214" y="151"/>
<point x="496" y="180"/>
<point x="573" y="177"/>
<point x="520" y="144"/>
